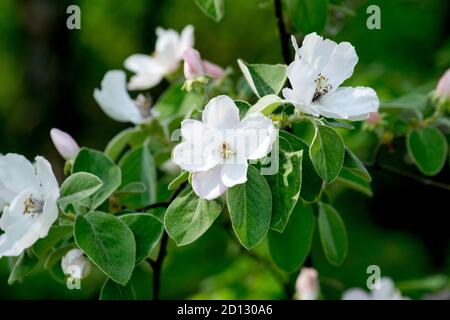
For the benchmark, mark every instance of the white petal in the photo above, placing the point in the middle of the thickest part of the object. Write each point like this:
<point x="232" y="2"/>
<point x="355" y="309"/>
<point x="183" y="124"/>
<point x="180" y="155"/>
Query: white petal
<point x="316" y="51"/>
<point x="295" y="46"/>
<point x="195" y="157"/>
<point x="46" y="178"/>
<point x="309" y="108"/>
<point x="356" y="294"/>
<point x="349" y="103"/>
<point x="186" y="39"/>
<point x="167" y="50"/>
<point x="302" y="77"/>
<point x="340" y="65"/>
<point x="208" y="184"/>
<point x="234" y="173"/>
<point x="147" y="69"/>
<point x="64" y="143"/>
<point x="16" y="175"/>
<point x="48" y="216"/>
<point x="386" y="291"/>
<point x="254" y="136"/>
<point x="221" y="113"/>
<point x="114" y="99"/>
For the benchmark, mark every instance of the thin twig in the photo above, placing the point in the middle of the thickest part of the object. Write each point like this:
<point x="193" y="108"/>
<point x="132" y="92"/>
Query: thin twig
<point x="284" y="36"/>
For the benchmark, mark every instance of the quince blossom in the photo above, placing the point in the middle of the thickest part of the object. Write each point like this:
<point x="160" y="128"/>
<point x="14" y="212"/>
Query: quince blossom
<point x="29" y="194"/>
<point x="67" y="147"/>
<point x="115" y="101"/>
<point x="195" y="67"/>
<point x="75" y="264"/>
<point x="320" y="67"/>
<point x="386" y="291"/>
<point x="169" y="49"/>
<point x="216" y="149"/>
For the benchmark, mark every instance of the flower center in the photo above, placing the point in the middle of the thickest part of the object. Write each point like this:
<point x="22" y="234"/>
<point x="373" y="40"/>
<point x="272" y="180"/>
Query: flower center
<point x="33" y="206"/>
<point x="322" y="87"/>
<point x="144" y="104"/>
<point x="225" y="150"/>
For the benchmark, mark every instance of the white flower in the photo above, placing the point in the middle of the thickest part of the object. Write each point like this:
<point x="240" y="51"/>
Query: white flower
<point x="115" y="101"/>
<point x="443" y="86"/>
<point x="75" y="264"/>
<point x="30" y="193"/>
<point x="307" y="284"/>
<point x="320" y="67"/>
<point x="169" y="49"/>
<point x="64" y="143"/>
<point x="217" y="148"/>
<point x="386" y="291"/>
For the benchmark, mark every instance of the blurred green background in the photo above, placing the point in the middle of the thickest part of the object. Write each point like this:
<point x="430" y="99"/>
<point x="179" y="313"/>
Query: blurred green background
<point x="48" y="74"/>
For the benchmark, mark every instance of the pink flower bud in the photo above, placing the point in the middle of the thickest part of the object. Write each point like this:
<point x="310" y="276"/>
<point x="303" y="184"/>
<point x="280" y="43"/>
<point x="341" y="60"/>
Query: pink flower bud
<point x="307" y="284"/>
<point x="213" y="70"/>
<point x="64" y="143"/>
<point x="443" y="87"/>
<point x="193" y="64"/>
<point x="374" y="118"/>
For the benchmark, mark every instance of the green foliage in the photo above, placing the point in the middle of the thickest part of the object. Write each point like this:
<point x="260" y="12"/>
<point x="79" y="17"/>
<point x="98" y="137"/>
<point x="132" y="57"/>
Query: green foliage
<point x="78" y="186"/>
<point x="108" y="242"/>
<point x="428" y="148"/>
<point x="178" y="181"/>
<point x="264" y="79"/>
<point x="290" y="249"/>
<point x="24" y="265"/>
<point x="113" y="291"/>
<point x="285" y="185"/>
<point x="307" y="16"/>
<point x="212" y="8"/>
<point x="55" y="235"/>
<point x="327" y="153"/>
<point x="333" y="234"/>
<point x="100" y="165"/>
<point x="188" y="217"/>
<point x="250" y="207"/>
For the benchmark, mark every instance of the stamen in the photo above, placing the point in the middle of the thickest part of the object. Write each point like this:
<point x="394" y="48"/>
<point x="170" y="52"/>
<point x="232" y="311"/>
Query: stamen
<point x="33" y="206"/>
<point x="322" y="87"/>
<point x="225" y="150"/>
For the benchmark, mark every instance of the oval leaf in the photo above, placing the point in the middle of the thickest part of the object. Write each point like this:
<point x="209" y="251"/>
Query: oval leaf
<point x="264" y="79"/>
<point x="285" y="184"/>
<point x="327" y="153"/>
<point x="109" y="244"/>
<point x="290" y="249"/>
<point x="147" y="230"/>
<point x="100" y="165"/>
<point x="114" y="291"/>
<point x="188" y="217"/>
<point x="78" y="186"/>
<point x="212" y="8"/>
<point x="428" y="148"/>
<point x="250" y="207"/>
<point x="333" y="234"/>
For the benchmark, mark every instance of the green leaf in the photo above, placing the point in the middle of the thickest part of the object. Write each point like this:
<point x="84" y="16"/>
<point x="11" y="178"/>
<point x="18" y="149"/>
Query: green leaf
<point x="354" y="181"/>
<point x="333" y="234"/>
<point x="24" y="265"/>
<point x="250" y="207"/>
<point x="264" y="79"/>
<point x="132" y="188"/>
<point x="285" y="185"/>
<point x="353" y="164"/>
<point x="243" y="107"/>
<point x="117" y="146"/>
<point x="55" y="235"/>
<point x="138" y="165"/>
<point x="100" y="165"/>
<point x="78" y="186"/>
<point x="113" y="291"/>
<point x="175" y="101"/>
<point x="212" y="8"/>
<point x="312" y="183"/>
<point x="413" y="102"/>
<point x="267" y="104"/>
<point x="147" y="230"/>
<point x="188" y="217"/>
<point x="178" y="181"/>
<point x="428" y="148"/>
<point x="307" y="15"/>
<point x="109" y="244"/>
<point x="327" y="153"/>
<point x="290" y="249"/>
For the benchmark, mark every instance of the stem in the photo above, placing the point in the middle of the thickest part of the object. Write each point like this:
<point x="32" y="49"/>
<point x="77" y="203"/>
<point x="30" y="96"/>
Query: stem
<point x="158" y="263"/>
<point x="284" y="36"/>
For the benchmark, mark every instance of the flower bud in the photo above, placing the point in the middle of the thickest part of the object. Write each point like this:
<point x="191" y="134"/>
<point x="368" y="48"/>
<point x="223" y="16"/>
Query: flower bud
<point x="65" y="144"/>
<point x="374" y="118"/>
<point x="307" y="284"/>
<point x="443" y="87"/>
<point x="193" y="64"/>
<point x="213" y="70"/>
<point x="75" y="264"/>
